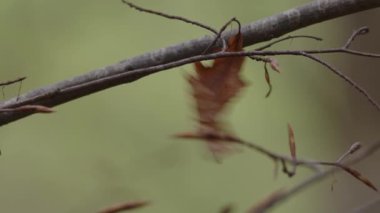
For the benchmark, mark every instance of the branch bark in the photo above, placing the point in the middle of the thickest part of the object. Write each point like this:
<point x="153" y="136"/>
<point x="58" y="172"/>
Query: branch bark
<point x="109" y="76"/>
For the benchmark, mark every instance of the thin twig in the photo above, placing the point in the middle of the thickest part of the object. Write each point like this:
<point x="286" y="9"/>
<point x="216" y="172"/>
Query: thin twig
<point x="296" y="162"/>
<point x="134" y="6"/>
<point x="346" y="78"/>
<point x="186" y="20"/>
<point x="228" y="139"/>
<point x="6" y="83"/>
<point x="219" y="34"/>
<point x="361" y="31"/>
<point x="353" y="148"/>
<point x="289" y="37"/>
<point x="277" y="157"/>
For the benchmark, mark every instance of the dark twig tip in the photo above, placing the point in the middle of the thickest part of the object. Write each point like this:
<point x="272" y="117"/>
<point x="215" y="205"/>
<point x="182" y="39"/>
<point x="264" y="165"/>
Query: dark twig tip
<point x="364" y="30"/>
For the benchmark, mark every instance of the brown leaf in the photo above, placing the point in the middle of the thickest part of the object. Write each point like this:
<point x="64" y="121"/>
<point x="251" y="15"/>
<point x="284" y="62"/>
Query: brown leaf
<point x="37" y="108"/>
<point x="212" y="88"/>
<point x="269" y="201"/>
<point x="124" y="207"/>
<point x="358" y="176"/>
<point x="227" y="209"/>
<point x="292" y="142"/>
<point x="267" y="79"/>
<point x="34" y="108"/>
<point x="352" y="172"/>
<point x="275" y="65"/>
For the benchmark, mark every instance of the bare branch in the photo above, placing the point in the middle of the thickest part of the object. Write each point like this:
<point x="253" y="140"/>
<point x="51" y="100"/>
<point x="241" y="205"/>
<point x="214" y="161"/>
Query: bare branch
<point x="353" y="148"/>
<point x="363" y="153"/>
<point x="355" y="34"/>
<point x="346" y="78"/>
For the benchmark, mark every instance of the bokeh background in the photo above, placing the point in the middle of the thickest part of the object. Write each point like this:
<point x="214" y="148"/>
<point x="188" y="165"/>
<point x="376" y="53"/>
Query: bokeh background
<point x="116" y="145"/>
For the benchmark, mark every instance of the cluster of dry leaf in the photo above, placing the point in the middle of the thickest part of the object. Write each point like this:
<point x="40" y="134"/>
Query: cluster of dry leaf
<point x="213" y="88"/>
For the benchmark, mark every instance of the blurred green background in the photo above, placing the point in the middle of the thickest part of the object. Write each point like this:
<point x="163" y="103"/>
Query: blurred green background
<point x="116" y="145"/>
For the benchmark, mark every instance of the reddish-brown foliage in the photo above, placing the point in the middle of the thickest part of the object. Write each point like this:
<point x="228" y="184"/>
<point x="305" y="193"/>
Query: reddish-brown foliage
<point x="127" y="206"/>
<point x="212" y="88"/>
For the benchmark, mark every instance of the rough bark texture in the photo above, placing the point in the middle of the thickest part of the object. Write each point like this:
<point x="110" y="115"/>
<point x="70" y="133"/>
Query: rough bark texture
<point x="109" y="76"/>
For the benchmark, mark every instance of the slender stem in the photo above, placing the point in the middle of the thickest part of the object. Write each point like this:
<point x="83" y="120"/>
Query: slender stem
<point x="362" y="154"/>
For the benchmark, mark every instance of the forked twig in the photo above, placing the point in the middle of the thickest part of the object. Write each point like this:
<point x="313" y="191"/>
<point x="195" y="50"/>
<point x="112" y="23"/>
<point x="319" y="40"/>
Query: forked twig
<point x="286" y="194"/>
<point x="186" y="20"/>
<point x="219" y="34"/>
<point x="6" y="83"/>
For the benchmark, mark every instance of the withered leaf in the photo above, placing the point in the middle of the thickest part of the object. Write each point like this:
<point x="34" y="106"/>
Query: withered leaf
<point x="33" y="108"/>
<point x="121" y="207"/>
<point x="267" y="79"/>
<point x="352" y="172"/>
<point x="358" y="176"/>
<point x="212" y="88"/>
<point x="275" y="65"/>
<point x="292" y="142"/>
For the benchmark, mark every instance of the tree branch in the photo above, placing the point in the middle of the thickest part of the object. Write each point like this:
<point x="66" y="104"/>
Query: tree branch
<point x="116" y="74"/>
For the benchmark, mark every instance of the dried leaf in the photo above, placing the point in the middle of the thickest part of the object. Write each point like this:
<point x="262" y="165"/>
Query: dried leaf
<point x="292" y="143"/>
<point x="358" y="176"/>
<point x="124" y="207"/>
<point x="212" y="88"/>
<point x="34" y="108"/>
<point x="227" y="209"/>
<point x="274" y="65"/>
<point x="267" y="79"/>
<point x="269" y="201"/>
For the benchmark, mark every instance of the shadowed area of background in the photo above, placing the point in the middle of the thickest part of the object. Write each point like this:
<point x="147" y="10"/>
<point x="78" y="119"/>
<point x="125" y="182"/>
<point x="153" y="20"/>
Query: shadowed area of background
<point x="116" y="145"/>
